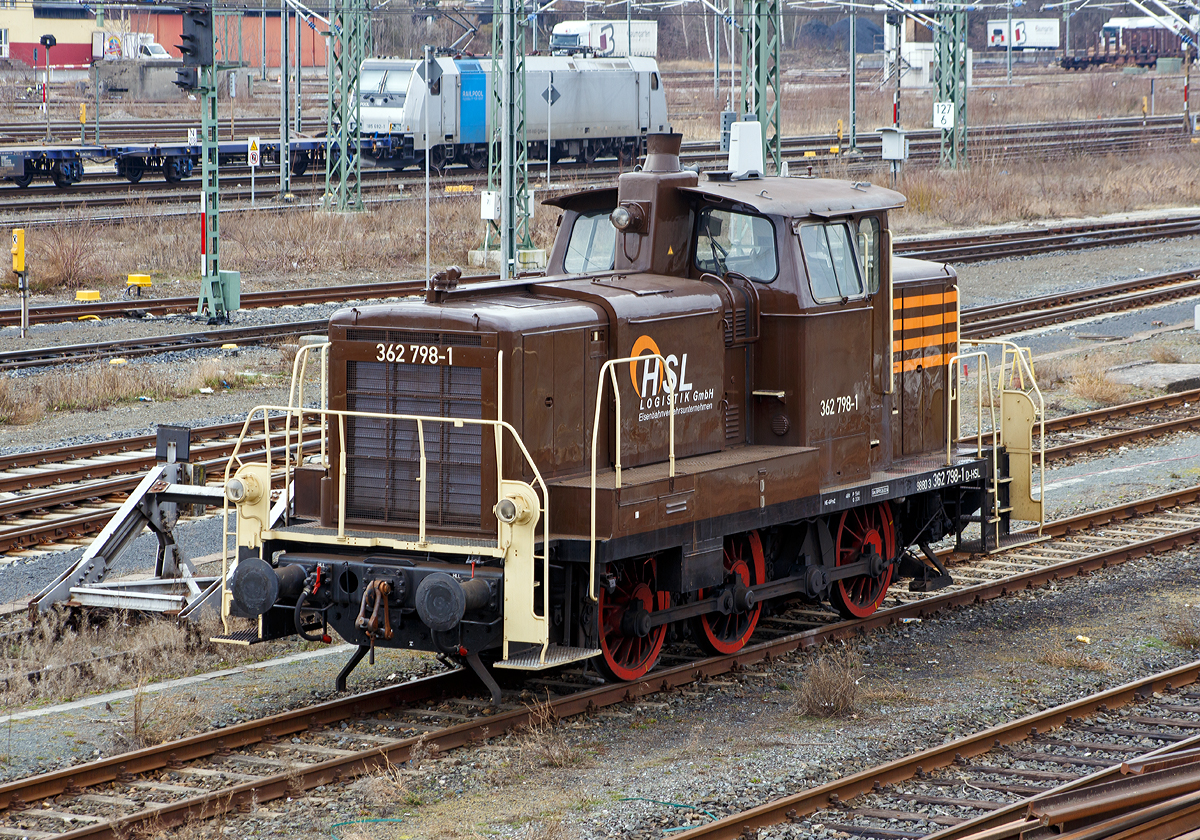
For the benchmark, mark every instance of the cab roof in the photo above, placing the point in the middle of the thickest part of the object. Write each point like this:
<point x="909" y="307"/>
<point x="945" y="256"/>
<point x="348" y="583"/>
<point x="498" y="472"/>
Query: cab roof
<point x="800" y="198"/>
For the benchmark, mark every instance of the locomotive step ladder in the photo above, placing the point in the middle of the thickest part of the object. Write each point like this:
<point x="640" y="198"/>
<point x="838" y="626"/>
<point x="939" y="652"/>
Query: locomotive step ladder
<point x="1006" y="492"/>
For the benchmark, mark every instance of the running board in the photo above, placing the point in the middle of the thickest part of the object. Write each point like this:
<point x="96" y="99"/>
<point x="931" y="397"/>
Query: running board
<point x="1007" y="541"/>
<point x="556" y="655"/>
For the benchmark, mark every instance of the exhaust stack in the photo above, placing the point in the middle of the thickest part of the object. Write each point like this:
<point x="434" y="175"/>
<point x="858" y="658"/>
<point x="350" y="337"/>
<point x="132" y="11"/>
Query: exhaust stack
<point x="662" y="152"/>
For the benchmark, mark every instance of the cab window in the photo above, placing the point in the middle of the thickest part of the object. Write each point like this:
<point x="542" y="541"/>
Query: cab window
<point x="829" y="255"/>
<point x="727" y="241"/>
<point x="593" y="244"/>
<point x="868" y="252"/>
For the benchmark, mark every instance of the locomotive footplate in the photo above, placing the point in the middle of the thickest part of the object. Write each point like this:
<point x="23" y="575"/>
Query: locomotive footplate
<point x="738" y="492"/>
<point x="907" y="477"/>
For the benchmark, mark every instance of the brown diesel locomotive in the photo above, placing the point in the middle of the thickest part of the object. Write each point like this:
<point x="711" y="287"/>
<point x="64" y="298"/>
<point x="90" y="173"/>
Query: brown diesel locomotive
<point x="723" y="393"/>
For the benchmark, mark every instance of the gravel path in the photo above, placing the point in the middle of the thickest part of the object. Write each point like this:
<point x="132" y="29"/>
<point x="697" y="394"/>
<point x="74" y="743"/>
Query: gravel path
<point x="720" y="746"/>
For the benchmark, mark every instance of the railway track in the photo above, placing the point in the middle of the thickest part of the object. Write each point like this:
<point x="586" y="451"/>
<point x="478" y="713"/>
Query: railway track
<point x="56" y="495"/>
<point x="154" y="345"/>
<point x="285" y="754"/>
<point x="1045" y="240"/>
<point x="1061" y="765"/>
<point x="1032" y="313"/>
<point x="993" y="144"/>
<point x="978" y="322"/>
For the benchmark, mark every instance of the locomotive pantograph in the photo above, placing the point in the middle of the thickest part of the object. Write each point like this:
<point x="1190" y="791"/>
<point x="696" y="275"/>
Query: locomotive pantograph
<point x="723" y="393"/>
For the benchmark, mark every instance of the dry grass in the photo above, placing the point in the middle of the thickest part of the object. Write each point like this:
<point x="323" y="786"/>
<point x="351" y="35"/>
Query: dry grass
<point x="1074" y="658"/>
<point x="994" y="193"/>
<point x="68" y="256"/>
<point x="1165" y="355"/>
<point x="389" y="240"/>
<point x="28" y="399"/>
<point x="1184" y="630"/>
<point x="1089" y="380"/>
<point x="74" y="652"/>
<point x="543" y="744"/>
<point x="830" y="687"/>
<point x="1051" y="373"/>
<point x="877" y="693"/>
<point x="385" y="789"/>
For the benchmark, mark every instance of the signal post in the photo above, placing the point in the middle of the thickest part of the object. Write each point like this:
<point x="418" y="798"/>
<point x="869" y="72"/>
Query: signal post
<point x="219" y="290"/>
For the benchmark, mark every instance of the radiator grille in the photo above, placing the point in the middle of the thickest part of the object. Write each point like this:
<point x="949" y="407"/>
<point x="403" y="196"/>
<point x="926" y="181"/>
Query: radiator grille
<point x="383" y="458"/>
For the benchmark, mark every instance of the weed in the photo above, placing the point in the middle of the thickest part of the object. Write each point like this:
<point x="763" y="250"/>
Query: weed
<point x="1057" y="656"/>
<point x="830" y="687"/>
<point x="1184" y="631"/>
<point x="1165" y="355"/>
<point x="542" y="743"/>
<point x="1090" y="381"/>
<point x="384" y="789"/>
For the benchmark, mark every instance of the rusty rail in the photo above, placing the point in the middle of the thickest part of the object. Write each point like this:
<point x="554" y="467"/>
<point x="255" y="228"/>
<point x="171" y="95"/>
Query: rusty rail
<point x="215" y="802"/>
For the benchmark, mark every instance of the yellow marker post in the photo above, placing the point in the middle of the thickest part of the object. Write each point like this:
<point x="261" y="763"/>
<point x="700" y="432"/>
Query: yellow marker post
<point x="18" y="267"/>
<point x="18" y="250"/>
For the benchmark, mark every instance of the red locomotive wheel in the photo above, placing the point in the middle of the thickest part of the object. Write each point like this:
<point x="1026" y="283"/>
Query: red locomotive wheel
<point x="627" y="653"/>
<point x="858" y="597"/>
<point x="721" y="633"/>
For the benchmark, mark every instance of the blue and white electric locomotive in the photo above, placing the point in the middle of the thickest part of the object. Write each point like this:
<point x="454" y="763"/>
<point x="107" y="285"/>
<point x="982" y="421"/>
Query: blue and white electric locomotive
<point x="581" y="108"/>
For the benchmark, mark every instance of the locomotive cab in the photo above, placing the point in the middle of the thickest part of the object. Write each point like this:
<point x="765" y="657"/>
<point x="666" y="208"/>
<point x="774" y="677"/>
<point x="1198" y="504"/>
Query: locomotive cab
<point x="723" y="394"/>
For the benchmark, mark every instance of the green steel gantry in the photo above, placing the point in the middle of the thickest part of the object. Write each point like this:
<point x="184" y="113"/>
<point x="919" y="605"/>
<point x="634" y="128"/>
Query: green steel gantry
<point x="950" y="79"/>
<point x="762" y="25"/>
<point x="508" y="156"/>
<point x="348" y="38"/>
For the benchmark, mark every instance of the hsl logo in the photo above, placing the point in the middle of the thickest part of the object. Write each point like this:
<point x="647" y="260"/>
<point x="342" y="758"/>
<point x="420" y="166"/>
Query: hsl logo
<point x="650" y="384"/>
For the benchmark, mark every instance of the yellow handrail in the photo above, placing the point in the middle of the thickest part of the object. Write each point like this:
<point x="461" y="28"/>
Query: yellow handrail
<point x="326" y="414"/>
<point x="610" y="367"/>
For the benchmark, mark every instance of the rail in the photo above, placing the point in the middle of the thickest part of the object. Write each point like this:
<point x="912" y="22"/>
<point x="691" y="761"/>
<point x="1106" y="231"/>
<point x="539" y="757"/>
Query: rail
<point x="609" y="367"/>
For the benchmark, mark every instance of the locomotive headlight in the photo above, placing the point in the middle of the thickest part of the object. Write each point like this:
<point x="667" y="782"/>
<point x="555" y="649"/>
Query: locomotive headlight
<point x="630" y="217"/>
<point x="243" y="489"/>
<point x="506" y="511"/>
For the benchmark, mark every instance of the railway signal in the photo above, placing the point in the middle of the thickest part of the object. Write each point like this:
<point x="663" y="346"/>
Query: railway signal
<point x="197" y="36"/>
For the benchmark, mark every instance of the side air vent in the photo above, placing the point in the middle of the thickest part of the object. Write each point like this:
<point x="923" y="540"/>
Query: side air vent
<point x="733" y="422"/>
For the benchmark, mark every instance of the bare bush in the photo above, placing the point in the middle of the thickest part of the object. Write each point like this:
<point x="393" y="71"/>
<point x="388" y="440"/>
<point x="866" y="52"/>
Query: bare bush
<point x="830" y="687"/>
<point x="69" y="255"/>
